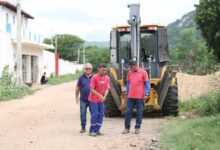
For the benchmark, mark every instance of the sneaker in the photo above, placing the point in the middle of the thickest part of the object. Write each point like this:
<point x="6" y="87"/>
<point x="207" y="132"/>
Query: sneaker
<point x="126" y="131"/>
<point x="82" y="130"/>
<point x="137" y="131"/>
<point x="92" y="134"/>
<point x="99" y="133"/>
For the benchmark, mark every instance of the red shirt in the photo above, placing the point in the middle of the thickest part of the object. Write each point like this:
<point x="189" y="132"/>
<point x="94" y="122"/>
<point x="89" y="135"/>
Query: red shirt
<point x="137" y="80"/>
<point x="100" y="84"/>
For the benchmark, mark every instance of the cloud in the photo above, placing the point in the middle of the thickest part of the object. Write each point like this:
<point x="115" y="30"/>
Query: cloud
<point x="93" y="19"/>
<point x="97" y="35"/>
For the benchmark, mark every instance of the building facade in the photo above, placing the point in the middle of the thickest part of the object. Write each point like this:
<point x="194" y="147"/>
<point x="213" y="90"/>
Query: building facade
<point x="32" y="46"/>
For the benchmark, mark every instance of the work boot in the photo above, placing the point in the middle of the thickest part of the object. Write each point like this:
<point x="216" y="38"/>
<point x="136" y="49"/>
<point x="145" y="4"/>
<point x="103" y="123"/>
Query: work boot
<point x="126" y="131"/>
<point x="92" y="134"/>
<point x="82" y="130"/>
<point x="99" y="133"/>
<point x="137" y="131"/>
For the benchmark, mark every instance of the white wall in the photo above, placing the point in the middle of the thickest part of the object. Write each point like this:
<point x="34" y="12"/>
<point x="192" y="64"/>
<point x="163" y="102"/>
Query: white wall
<point x="46" y="60"/>
<point x="65" y="67"/>
<point x="7" y="55"/>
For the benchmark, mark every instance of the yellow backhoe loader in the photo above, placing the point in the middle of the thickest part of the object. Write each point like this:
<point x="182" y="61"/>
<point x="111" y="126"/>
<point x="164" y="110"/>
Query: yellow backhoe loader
<point x="148" y="44"/>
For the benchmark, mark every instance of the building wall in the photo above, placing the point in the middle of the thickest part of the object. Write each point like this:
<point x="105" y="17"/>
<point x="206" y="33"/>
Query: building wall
<point x="10" y="26"/>
<point x="7" y="55"/>
<point x="8" y="33"/>
<point x="65" y="67"/>
<point x="45" y="59"/>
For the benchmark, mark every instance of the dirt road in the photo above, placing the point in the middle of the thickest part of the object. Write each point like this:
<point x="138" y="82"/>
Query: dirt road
<point x="49" y="120"/>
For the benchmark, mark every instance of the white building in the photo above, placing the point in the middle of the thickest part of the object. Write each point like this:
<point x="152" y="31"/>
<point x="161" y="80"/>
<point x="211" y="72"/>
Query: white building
<point x="32" y="48"/>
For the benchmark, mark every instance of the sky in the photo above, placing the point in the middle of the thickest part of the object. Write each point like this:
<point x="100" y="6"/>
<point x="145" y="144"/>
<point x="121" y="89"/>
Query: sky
<point x="92" y="20"/>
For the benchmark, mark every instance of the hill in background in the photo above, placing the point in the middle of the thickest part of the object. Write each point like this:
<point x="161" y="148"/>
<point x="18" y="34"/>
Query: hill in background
<point x="99" y="44"/>
<point x="174" y="29"/>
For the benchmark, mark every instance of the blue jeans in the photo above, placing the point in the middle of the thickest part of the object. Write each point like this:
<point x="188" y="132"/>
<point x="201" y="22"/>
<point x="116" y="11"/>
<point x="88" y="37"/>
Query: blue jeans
<point x="97" y="113"/>
<point x="129" y="109"/>
<point x="84" y="104"/>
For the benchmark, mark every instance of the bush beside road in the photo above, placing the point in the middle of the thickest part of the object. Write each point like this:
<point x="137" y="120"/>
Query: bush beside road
<point x="9" y="89"/>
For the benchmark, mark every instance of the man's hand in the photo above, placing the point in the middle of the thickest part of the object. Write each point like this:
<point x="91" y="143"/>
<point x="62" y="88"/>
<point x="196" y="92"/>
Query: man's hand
<point x="77" y="100"/>
<point x="146" y="98"/>
<point x="77" y="94"/>
<point x="102" y="98"/>
<point x="106" y="94"/>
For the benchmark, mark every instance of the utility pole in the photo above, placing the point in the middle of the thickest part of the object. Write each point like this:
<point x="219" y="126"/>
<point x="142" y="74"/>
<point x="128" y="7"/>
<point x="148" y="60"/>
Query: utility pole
<point x="19" y="46"/>
<point x="56" y="57"/>
<point x="84" y="57"/>
<point x="56" y="44"/>
<point x="78" y="55"/>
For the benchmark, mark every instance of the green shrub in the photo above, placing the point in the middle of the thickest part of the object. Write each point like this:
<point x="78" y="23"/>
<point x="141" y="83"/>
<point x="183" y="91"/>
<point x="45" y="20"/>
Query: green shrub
<point x="6" y="77"/>
<point x="8" y="88"/>
<point x="208" y="104"/>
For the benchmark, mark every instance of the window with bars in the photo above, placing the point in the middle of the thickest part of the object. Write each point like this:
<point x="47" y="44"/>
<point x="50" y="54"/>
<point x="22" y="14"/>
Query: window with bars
<point x="34" y="69"/>
<point x="24" y="67"/>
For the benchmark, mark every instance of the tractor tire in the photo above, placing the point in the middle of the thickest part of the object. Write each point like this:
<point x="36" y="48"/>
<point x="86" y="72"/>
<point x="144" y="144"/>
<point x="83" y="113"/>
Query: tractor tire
<point x="111" y="109"/>
<point x="170" y="106"/>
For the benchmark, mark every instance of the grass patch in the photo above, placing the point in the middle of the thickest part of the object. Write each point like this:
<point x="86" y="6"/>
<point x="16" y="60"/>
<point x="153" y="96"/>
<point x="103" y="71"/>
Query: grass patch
<point x="208" y="104"/>
<point x="200" y="133"/>
<point x="64" y="78"/>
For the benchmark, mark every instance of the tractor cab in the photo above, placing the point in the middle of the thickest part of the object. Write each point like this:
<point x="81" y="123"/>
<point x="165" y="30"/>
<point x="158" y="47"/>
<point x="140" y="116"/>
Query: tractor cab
<point x="153" y="53"/>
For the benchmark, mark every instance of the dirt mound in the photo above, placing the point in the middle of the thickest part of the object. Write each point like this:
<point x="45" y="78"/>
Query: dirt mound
<point x="191" y="86"/>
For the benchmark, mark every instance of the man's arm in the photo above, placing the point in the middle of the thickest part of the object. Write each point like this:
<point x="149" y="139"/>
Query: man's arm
<point x="77" y="94"/>
<point x="106" y="93"/>
<point x="147" y="87"/>
<point x="147" y="91"/>
<point x="107" y="90"/>
<point x="127" y="87"/>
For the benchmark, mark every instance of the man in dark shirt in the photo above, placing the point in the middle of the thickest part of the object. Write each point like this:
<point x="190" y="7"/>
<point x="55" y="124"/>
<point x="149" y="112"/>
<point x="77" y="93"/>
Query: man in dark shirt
<point x="43" y="79"/>
<point x="83" y="88"/>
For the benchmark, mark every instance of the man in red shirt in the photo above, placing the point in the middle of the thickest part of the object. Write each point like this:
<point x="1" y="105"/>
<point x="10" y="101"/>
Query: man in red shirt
<point x="99" y="88"/>
<point x="138" y="86"/>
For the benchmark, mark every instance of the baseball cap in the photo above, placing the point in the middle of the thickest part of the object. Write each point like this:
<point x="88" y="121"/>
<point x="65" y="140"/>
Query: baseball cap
<point x="132" y="62"/>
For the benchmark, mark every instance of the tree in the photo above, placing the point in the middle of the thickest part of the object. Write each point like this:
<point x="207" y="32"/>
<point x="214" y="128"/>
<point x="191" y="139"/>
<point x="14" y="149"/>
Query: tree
<point x="95" y="56"/>
<point x="187" y="42"/>
<point x="208" y="20"/>
<point x="67" y="46"/>
<point x="192" y="54"/>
